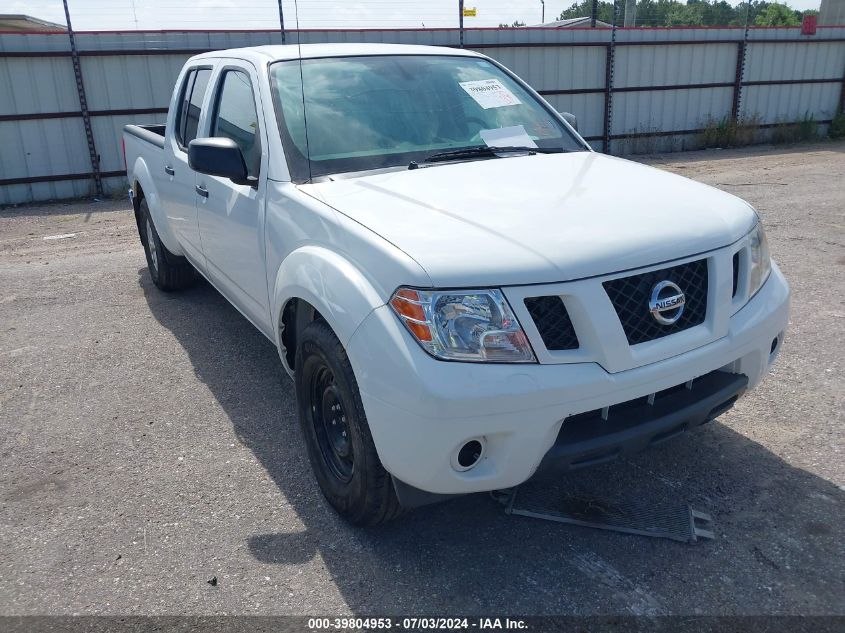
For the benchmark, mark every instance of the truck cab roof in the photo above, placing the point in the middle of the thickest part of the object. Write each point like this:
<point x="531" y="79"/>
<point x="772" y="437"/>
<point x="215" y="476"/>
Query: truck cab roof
<point x="270" y="53"/>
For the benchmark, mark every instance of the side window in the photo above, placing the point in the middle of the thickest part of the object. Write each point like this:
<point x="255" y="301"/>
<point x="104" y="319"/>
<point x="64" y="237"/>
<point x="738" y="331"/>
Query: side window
<point x="236" y="118"/>
<point x="194" y="105"/>
<point x="190" y="105"/>
<point x="187" y="86"/>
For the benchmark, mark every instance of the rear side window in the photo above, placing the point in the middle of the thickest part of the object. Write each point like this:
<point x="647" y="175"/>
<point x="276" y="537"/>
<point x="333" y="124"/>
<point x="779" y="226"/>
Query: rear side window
<point x="190" y="106"/>
<point x="236" y="117"/>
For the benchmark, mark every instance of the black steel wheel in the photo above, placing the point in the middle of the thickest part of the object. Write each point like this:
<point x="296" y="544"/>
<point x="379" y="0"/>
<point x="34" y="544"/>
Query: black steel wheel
<point x="340" y="446"/>
<point x="168" y="271"/>
<point x="330" y="424"/>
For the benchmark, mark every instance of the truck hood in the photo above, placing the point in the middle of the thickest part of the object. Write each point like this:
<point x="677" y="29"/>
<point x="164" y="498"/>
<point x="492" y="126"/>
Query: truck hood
<point x="538" y="219"/>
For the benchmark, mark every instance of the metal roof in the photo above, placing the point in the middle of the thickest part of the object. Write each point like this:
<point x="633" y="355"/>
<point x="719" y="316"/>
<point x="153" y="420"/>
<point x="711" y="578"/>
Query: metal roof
<point x="570" y="22"/>
<point x="27" y="23"/>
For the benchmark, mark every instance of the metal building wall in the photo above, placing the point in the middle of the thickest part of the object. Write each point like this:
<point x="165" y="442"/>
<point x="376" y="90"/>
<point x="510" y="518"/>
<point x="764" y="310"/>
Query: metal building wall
<point x="663" y="86"/>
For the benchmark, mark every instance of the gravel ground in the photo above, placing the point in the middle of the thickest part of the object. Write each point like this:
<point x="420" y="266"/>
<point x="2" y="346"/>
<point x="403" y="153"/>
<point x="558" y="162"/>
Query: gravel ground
<point x="149" y="443"/>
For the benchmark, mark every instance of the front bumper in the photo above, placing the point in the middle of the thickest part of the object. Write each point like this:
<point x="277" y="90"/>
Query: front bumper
<point x="421" y="410"/>
<point x="599" y="436"/>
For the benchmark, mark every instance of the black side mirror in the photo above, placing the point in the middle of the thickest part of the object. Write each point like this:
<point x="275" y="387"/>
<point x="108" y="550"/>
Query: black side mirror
<point x="570" y="118"/>
<point x="219" y="157"/>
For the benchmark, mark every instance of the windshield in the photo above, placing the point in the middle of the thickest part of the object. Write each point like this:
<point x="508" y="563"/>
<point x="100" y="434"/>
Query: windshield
<point x="381" y="111"/>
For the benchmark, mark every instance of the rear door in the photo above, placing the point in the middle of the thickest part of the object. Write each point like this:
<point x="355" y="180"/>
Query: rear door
<point x="178" y="178"/>
<point x="231" y="216"/>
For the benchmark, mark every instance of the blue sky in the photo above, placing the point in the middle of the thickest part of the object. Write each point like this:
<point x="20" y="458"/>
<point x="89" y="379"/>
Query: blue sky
<point x="222" y="14"/>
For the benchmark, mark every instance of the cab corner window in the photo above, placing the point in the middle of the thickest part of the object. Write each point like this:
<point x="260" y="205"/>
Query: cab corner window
<point x="237" y="119"/>
<point x="190" y="107"/>
<point x="192" y="117"/>
<point x="184" y="95"/>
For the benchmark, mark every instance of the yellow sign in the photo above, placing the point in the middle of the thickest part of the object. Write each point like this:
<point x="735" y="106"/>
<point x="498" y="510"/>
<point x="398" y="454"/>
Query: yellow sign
<point x="470" y="13"/>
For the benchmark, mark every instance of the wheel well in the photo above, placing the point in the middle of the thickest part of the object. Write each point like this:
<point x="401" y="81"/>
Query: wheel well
<point x="296" y="316"/>
<point x="136" y="203"/>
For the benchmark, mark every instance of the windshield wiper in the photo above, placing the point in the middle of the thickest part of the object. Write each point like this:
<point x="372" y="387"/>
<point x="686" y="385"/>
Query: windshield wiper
<point x="485" y="151"/>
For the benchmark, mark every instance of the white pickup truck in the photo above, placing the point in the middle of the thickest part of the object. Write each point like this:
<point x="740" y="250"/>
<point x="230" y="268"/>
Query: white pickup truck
<point x="465" y="294"/>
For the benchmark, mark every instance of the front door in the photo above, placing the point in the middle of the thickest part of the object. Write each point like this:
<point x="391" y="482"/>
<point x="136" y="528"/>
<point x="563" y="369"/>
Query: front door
<point x="231" y="216"/>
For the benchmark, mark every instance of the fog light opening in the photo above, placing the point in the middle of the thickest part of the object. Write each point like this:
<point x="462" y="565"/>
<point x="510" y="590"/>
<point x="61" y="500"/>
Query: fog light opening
<point x="774" y="345"/>
<point x="469" y="454"/>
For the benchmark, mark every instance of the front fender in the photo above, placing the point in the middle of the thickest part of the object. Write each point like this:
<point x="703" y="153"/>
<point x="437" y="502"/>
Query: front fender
<point x="336" y="288"/>
<point x="143" y="178"/>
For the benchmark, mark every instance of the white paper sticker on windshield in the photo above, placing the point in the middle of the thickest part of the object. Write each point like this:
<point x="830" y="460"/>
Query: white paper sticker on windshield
<point x="490" y="93"/>
<point x="513" y="136"/>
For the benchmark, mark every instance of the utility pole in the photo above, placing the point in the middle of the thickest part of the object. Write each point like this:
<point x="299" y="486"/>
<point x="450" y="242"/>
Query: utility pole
<point x="282" y="21"/>
<point x="543" y="14"/>
<point x="83" y="106"/>
<point x="630" y="13"/>
<point x="134" y="13"/>
<point x="593" y="12"/>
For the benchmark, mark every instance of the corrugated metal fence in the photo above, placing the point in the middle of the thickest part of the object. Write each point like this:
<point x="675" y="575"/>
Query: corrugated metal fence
<point x="658" y="86"/>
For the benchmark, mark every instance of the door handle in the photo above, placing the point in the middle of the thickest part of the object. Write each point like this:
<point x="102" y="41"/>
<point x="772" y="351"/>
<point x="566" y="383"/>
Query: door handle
<point x="202" y="191"/>
<point x="169" y="170"/>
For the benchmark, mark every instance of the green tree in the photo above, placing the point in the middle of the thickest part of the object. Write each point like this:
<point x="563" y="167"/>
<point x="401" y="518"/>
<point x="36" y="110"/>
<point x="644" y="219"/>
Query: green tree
<point x="777" y="14"/>
<point x="691" y="13"/>
<point x="584" y="8"/>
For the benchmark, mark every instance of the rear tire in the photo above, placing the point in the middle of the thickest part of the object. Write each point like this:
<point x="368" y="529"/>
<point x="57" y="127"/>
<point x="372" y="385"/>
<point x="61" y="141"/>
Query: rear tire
<point x="340" y="446"/>
<point x="168" y="271"/>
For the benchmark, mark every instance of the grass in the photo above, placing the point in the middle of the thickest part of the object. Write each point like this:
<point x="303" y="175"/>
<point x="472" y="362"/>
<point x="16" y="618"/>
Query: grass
<point x="635" y="144"/>
<point x="837" y="126"/>
<point x="805" y="129"/>
<point x="727" y="132"/>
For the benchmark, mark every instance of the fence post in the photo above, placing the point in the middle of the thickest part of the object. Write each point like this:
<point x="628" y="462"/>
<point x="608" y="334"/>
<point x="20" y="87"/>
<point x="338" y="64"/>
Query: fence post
<point x="282" y="21"/>
<point x="841" y="109"/>
<point x="740" y="68"/>
<point x="83" y="105"/>
<point x="610" y="54"/>
<point x="461" y="20"/>
<point x="736" y="107"/>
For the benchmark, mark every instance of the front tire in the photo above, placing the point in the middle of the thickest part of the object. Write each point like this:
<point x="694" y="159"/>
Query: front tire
<point x="168" y="271"/>
<point x="340" y="446"/>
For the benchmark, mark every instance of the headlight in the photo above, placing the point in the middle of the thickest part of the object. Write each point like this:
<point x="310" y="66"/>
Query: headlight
<point x="760" y="260"/>
<point x="467" y="325"/>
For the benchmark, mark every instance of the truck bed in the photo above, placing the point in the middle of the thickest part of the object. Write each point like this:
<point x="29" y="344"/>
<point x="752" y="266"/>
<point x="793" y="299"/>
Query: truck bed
<point x="150" y="133"/>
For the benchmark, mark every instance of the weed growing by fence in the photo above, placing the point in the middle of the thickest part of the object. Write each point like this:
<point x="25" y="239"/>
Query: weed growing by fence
<point x="647" y="139"/>
<point x="805" y="129"/>
<point x="837" y="126"/>
<point x="727" y="132"/>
